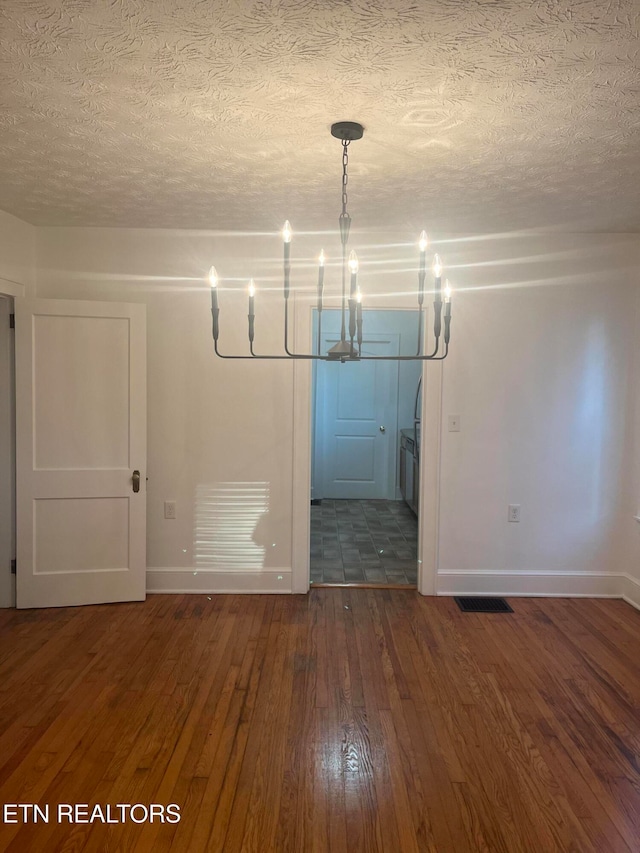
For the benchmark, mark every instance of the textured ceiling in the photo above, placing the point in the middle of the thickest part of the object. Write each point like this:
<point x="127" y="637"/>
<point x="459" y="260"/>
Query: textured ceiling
<point x="480" y="115"/>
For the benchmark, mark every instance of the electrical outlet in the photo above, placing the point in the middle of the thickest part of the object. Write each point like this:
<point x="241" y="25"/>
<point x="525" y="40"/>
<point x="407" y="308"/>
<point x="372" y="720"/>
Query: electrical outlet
<point x="454" y="423"/>
<point x="169" y="509"/>
<point x="514" y="512"/>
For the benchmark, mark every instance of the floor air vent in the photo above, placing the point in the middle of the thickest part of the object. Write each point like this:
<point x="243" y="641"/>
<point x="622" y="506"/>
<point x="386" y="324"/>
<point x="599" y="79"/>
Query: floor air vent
<point x="470" y="604"/>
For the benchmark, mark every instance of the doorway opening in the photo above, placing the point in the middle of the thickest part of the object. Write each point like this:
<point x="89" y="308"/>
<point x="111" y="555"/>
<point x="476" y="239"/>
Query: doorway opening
<point x="7" y="456"/>
<point x="364" y="526"/>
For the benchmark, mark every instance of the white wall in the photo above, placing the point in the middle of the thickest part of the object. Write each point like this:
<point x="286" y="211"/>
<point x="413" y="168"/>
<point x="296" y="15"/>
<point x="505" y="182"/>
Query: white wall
<point x="540" y="373"/>
<point x="17" y="255"/>
<point x="540" y="377"/>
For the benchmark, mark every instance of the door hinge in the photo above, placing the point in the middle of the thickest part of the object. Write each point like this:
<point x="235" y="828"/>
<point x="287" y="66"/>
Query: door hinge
<point x="13" y="566"/>
<point x="12" y="321"/>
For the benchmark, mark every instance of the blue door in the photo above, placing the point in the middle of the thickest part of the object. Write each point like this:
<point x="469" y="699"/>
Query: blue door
<point x="356" y="423"/>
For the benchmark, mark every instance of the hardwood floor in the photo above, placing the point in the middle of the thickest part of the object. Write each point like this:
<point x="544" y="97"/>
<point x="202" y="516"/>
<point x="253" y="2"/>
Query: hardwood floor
<point x="346" y="720"/>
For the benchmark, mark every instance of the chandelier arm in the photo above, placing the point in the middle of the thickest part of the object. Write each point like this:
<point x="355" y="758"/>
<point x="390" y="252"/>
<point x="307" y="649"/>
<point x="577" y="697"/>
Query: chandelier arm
<point x="419" y="347"/>
<point x="258" y="356"/>
<point x="290" y="354"/>
<point x="445" y="354"/>
<point x="255" y="356"/>
<point x="287" y="268"/>
<point x="437" y="317"/>
<point x="433" y="355"/>
<point x="437" y="345"/>
<point x="401" y="357"/>
<point x="286" y="328"/>
<point x="222" y="355"/>
<point x="352" y="357"/>
<point x="215" y="331"/>
<point x="447" y="323"/>
<point x="287" y="283"/>
<point x="352" y="323"/>
<point x="280" y="357"/>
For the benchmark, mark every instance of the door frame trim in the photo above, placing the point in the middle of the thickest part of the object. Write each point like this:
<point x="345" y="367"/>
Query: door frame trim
<point x="428" y="521"/>
<point x="7" y="456"/>
<point x="11" y="290"/>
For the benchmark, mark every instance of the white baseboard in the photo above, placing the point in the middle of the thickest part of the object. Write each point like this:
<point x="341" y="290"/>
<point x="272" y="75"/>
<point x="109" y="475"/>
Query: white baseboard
<point x="565" y="584"/>
<point x="561" y="584"/>
<point x="186" y="580"/>
<point x="631" y="590"/>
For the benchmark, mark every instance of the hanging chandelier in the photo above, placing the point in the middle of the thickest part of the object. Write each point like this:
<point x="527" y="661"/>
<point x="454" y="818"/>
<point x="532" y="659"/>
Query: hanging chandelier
<point x="349" y="347"/>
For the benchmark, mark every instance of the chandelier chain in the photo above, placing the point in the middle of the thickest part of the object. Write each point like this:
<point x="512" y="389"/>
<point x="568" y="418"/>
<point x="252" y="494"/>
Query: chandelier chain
<point x="345" y="176"/>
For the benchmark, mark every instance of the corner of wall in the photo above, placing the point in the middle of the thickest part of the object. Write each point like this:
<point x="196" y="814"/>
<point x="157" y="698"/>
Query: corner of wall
<point x="630" y="590"/>
<point x="17" y="256"/>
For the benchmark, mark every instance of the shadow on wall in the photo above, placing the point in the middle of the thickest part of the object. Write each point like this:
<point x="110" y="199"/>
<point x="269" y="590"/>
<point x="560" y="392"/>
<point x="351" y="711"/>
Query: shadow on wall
<point x="232" y="527"/>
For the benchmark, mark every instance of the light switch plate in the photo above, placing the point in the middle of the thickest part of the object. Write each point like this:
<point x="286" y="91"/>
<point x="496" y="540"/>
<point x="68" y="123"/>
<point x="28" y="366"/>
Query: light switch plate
<point x="454" y="423"/>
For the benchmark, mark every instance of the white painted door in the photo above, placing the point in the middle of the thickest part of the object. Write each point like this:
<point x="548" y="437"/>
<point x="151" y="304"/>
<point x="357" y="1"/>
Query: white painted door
<point x="80" y="436"/>
<point x="356" y="423"/>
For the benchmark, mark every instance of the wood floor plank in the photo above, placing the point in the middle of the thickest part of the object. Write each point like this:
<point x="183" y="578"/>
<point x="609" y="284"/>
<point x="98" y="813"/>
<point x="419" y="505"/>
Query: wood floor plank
<point x="346" y="720"/>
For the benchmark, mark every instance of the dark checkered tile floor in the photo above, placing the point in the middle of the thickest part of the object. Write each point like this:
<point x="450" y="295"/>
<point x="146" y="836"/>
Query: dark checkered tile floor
<point x="363" y="542"/>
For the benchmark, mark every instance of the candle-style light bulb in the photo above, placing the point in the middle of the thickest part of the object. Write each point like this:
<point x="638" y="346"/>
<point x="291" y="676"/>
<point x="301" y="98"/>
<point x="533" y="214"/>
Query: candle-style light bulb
<point x="320" y="278"/>
<point x="359" y="296"/>
<point x="213" y="281"/>
<point x="447" y="313"/>
<point x="252" y="315"/>
<point x="353" y="269"/>
<point x="286" y="236"/>
<point x="423" y="241"/>
<point x="437" y="266"/>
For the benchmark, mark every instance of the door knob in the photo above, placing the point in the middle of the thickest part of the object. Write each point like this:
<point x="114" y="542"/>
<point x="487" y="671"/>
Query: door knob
<point x="135" y="478"/>
<point x="383" y="429"/>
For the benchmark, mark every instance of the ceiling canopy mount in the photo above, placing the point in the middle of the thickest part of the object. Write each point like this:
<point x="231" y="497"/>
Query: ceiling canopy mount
<point x="347" y="131"/>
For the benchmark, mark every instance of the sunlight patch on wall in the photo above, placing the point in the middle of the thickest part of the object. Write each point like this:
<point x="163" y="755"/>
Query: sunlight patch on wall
<point x="228" y="519"/>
